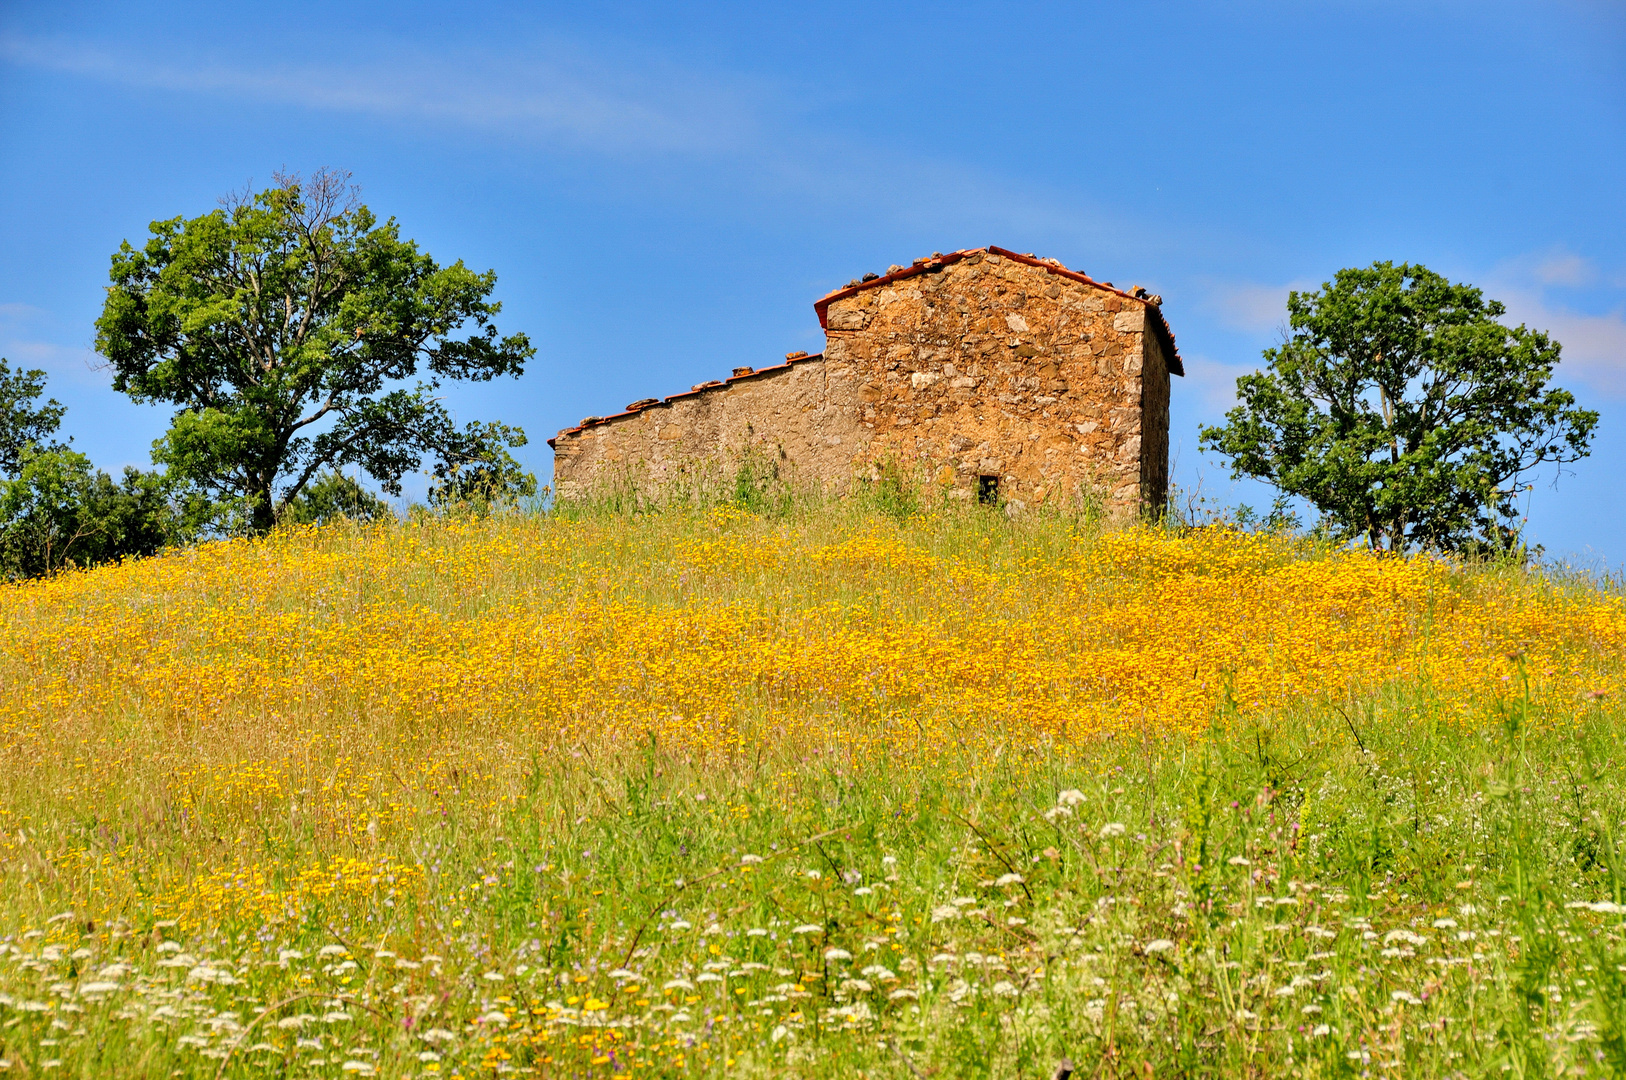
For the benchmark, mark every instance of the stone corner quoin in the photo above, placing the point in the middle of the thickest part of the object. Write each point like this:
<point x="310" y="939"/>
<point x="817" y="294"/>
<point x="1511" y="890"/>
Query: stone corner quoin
<point x="990" y="373"/>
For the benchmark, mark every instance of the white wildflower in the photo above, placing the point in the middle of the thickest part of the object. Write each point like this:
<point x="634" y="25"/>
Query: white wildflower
<point x="1159" y="945"/>
<point x="837" y="954"/>
<point x="1238" y="860"/>
<point x="1112" y="828"/>
<point x="807" y="928"/>
<point x="1070" y="797"/>
<point x="1009" y="879"/>
<point x="749" y="860"/>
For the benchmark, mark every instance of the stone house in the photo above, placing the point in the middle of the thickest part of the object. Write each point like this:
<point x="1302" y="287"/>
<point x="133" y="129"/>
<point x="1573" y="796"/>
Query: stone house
<point x="1000" y="376"/>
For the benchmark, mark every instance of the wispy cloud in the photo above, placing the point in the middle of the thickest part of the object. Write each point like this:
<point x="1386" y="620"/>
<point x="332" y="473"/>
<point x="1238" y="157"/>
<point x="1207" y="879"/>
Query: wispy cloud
<point x="1211" y="385"/>
<point x="1552" y="290"/>
<point x="1554" y="267"/>
<point x="748" y="136"/>
<point x="25" y="333"/>
<point x="1539" y="289"/>
<point x="1594" y="345"/>
<point x="1250" y="306"/>
<point x="552" y="92"/>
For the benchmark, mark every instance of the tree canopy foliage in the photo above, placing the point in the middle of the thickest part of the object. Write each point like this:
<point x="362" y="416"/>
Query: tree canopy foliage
<point x="56" y="510"/>
<point x="1404" y="411"/>
<point x="24" y="420"/>
<point x="285" y="328"/>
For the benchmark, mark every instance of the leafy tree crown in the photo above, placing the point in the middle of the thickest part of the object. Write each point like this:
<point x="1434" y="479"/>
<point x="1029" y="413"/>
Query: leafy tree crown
<point x="1404" y="411"/>
<point x="285" y="326"/>
<point x="24" y="422"/>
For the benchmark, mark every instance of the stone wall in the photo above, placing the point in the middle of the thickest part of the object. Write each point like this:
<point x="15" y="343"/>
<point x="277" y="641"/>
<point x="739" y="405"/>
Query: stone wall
<point x="788" y="416"/>
<point x="971" y="369"/>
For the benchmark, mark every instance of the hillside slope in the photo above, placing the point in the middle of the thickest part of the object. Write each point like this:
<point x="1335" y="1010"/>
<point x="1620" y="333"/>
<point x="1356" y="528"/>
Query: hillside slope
<point x="716" y="792"/>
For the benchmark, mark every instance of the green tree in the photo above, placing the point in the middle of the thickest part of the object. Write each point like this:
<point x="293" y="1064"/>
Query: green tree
<point x="283" y="327"/>
<point x="1404" y="411"/>
<point x="483" y="473"/>
<point x="23" y="421"/>
<point x="332" y="496"/>
<point x="58" y="511"/>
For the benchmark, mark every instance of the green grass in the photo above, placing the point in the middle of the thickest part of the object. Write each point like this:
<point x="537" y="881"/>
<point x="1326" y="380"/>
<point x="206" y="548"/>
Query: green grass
<point x="1278" y="901"/>
<point x="1344" y="891"/>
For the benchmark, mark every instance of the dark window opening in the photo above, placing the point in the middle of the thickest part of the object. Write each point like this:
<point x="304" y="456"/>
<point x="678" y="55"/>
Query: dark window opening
<point x="988" y="490"/>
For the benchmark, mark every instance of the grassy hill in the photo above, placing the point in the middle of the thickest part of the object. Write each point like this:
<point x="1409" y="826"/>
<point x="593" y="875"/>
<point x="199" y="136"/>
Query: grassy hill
<point x="821" y="794"/>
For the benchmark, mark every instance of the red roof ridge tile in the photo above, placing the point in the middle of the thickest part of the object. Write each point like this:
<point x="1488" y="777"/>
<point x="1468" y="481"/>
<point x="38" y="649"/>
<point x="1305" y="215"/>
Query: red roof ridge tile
<point x="1054" y="266"/>
<point x="700" y="388"/>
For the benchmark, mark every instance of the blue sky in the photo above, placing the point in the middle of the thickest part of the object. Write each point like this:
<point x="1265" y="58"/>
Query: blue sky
<point x="665" y="189"/>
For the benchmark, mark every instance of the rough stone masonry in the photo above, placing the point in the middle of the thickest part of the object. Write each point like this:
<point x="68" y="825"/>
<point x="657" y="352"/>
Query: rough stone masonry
<point x="999" y="376"/>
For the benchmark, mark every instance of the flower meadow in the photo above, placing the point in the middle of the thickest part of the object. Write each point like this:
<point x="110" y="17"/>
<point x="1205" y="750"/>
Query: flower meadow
<point x="818" y="793"/>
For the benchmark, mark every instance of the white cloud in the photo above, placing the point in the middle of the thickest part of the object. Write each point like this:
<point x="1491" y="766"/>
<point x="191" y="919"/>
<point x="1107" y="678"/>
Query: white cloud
<point x="79" y="365"/>
<point x="24" y="342"/>
<point x="1555" y="266"/>
<point x="549" y="91"/>
<point x="1211" y="385"/>
<point x="1250" y="306"/>
<point x="748" y="134"/>
<point x="1565" y="269"/>
<point x="1549" y="290"/>
<point x="1594" y="345"/>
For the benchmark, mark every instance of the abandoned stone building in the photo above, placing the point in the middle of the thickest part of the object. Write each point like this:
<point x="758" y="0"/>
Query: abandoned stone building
<point x="999" y="376"/>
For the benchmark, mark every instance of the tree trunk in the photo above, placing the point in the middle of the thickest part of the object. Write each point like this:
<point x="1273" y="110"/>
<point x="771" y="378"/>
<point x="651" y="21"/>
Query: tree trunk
<point x="265" y="509"/>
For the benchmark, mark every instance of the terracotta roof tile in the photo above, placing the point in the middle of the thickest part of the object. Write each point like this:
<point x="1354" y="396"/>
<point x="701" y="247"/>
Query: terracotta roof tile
<point x="703" y="388"/>
<point x="937" y="262"/>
